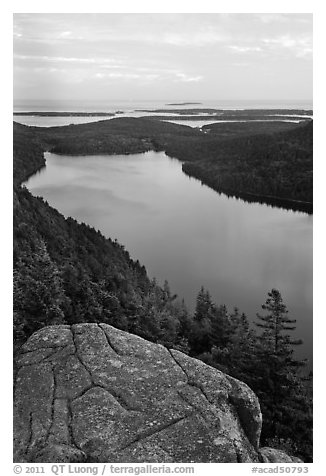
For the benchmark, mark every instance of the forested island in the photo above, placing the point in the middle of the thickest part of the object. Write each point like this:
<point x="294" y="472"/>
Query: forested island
<point x="182" y="103"/>
<point x="226" y="117"/>
<point x="236" y="114"/>
<point x="66" y="272"/>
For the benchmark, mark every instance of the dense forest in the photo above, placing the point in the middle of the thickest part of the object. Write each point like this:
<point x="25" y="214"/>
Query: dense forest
<point x="66" y="272"/>
<point x="266" y="166"/>
<point x="227" y="130"/>
<point x="117" y="136"/>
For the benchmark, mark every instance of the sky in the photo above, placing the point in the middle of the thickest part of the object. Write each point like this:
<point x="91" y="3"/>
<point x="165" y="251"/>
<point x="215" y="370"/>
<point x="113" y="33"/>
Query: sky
<point x="145" y="56"/>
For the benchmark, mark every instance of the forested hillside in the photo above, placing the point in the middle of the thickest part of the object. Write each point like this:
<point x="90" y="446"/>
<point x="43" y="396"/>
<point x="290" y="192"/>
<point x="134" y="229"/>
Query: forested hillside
<point x="227" y="130"/>
<point x="267" y="166"/>
<point x="119" y="136"/>
<point x="27" y="154"/>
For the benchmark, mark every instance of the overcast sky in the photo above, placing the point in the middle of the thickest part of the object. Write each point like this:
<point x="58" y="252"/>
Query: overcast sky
<point x="163" y="56"/>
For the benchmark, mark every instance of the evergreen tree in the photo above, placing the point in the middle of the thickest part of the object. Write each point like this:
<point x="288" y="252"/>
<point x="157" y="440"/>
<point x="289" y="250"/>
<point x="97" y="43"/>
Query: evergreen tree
<point x="274" y="323"/>
<point x="203" y="305"/>
<point x="241" y="345"/>
<point x="277" y="379"/>
<point x="220" y="326"/>
<point x="199" y="337"/>
<point x="185" y="320"/>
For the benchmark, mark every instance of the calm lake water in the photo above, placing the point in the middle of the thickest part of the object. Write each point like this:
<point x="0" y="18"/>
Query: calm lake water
<point x="186" y="233"/>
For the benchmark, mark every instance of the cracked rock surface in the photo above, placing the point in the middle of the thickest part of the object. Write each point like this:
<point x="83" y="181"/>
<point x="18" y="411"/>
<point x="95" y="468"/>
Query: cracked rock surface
<point x="93" y="393"/>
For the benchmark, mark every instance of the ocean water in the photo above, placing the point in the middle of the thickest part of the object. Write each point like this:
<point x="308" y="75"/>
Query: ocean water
<point x="132" y="105"/>
<point x="138" y="109"/>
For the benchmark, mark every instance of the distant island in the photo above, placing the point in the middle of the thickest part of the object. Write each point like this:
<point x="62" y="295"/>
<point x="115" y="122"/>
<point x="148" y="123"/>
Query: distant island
<point x="245" y="114"/>
<point x="193" y="111"/>
<point x="66" y="114"/>
<point x="182" y="103"/>
<point x="229" y="118"/>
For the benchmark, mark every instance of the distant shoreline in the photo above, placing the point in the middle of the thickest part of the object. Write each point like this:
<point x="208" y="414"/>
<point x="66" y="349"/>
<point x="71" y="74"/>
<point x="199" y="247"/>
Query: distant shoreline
<point x="185" y="114"/>
<point x="271" y="200"/>
<point x="67" y="114"/>
<point x="209" y="112"/>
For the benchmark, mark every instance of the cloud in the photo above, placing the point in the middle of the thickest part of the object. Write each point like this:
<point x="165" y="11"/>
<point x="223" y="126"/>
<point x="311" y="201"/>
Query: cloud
<point x="170" y="53"/>
<point x="245" y="49"/>
<point x="271" y="17"/>
<point x="188" y="79"/>
<point x="65" y="34"/>
<point x="138" y="74"/>
<point x="302" y="53"/>
<point x="300" y="46"/>
<point x="282" y="18"/>
<point x="194" y="39"/>
<point x="127" y="76"/>
<point x="70" y="59"/>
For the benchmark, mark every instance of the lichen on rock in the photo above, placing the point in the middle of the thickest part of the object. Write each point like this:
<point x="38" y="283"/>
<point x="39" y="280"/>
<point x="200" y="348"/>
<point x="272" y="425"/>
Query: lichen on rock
<point x="90" y="392"/>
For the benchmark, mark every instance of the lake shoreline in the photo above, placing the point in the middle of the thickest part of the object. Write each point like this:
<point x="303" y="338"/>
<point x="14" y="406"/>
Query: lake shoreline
<point x="279" y="202"/>
<point x="123" y="165"/>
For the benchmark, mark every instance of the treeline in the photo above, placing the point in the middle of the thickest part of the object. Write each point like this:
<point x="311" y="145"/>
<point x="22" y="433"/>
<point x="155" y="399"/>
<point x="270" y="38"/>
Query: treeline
<point x="234" y="113"/>
<point x="278" y="165"/>
<point x="27" y="154"/>
<point x="228" y="130"/>
<point x="66" y="272"/>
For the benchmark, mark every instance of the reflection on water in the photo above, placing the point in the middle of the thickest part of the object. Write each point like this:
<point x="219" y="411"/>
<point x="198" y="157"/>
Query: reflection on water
<point x="186" y="233"/>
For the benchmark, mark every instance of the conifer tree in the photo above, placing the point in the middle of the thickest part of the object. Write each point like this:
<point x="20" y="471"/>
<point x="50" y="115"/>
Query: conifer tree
<point x="277" y="379"/>
<point x="220" y="327"/>
<point x="241" y="344"/>
<point x="203" y="305"/>
<point x="199" y="337"/>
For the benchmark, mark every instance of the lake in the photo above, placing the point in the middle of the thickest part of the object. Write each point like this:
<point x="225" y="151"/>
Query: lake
<point x="186" y="233"/>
